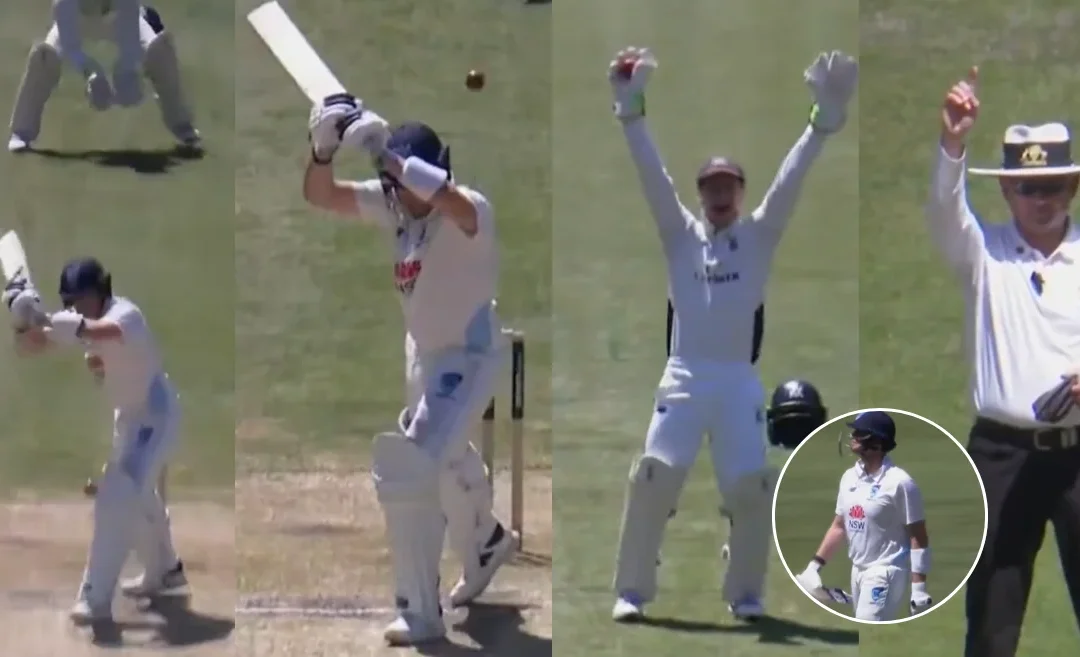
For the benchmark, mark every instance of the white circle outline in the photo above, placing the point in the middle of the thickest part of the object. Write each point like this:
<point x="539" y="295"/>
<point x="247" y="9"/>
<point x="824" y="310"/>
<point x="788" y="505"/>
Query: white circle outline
<point x="982" y="543"/>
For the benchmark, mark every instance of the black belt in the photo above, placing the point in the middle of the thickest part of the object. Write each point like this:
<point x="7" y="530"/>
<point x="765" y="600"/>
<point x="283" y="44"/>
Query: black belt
<point x="1042" y="440"/>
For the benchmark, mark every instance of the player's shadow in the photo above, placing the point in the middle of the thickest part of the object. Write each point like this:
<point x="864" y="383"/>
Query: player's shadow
<point x="179" y="625"/>
<point x="149" y="162"/>
<point x="769" y="628"/>
<point x="498" y="629"/>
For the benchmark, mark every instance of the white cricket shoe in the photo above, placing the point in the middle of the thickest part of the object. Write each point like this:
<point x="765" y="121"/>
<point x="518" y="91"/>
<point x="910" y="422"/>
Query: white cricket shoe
<point x="144" y="585"/>
<point x="749" y="609"/>
<point x="474" y="581"/>
<point x="627" y="609"/>
<point x="188" y="137"/>
<point x="17" y="144"/>
<point x="83" y="613"/>
<point x="410" y="630"/>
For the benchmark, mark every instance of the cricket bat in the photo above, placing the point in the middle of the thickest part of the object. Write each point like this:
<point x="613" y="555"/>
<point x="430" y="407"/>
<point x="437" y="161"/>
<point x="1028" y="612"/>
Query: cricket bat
<point x="293" y="52"/>
<point x="13" y="258"/>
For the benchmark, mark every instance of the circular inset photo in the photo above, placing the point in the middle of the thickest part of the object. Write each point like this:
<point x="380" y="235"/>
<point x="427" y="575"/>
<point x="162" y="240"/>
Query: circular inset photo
<point x="879" y="516"/>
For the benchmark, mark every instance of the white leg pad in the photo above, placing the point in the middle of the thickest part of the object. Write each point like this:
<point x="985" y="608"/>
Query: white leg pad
<point x="153" y="536"/>
<point x="39" y="80"/>
<point x="748" y="504"/>
<point x="467" y="504"/>
<point x="116" y="511"/>
<point x="651" y="497"/>
<point x="163" y="69"/>
<point x="407" y="485"/>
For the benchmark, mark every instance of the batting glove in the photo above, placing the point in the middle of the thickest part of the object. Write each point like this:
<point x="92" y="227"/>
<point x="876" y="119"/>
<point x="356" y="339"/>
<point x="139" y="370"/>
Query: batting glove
<point x="67" y="325"/>
<point x="366" y="131"/>
<point x="920" y="598"/>
<point x="629" y="74"/>
<point x="325" y="124"/>
<point x="810" y="579"/>
<point x="831" y="78"/>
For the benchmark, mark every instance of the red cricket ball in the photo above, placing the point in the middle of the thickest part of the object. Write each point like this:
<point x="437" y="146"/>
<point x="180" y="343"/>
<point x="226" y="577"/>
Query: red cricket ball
<point x="625" y="67"/>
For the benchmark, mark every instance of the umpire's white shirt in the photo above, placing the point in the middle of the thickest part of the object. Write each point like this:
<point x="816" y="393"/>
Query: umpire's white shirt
<point x="716" y="279"/>
<point x="1019" y="341"/>
<point x="877" y="508"/>
<point x="446" y="279"/>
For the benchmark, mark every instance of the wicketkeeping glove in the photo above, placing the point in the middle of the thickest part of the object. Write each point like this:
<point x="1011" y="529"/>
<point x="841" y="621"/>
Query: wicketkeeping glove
<point x="325" y="123"/>
<point x="98" y="90"/>
<point x="831" y="78"/>
<point x="629" y="74"/>
<point x="920" y="598"/>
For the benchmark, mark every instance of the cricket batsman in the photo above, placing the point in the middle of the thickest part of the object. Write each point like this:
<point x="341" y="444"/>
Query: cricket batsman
<point x="429" y="479"/>
<point x="123" y="356"/>
<point x="144" y="47"/>
<point x="718" y="263"/>
<point x="879" y="511"/>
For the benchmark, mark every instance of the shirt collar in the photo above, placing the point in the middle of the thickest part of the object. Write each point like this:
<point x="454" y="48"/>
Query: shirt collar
<point x="1069" y="249"/>
<point x="886" y="463"/>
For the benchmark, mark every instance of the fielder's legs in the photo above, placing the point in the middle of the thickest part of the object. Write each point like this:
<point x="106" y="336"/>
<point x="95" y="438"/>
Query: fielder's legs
<point x="1066" y="521"/>
<point x="162" y="67"/>
<point x="652" y="494"/>
<point x="39" y="80"/>
<point x="880" y="593"/>
<point x="747" y="484"/>
<point x="118" y="509"/>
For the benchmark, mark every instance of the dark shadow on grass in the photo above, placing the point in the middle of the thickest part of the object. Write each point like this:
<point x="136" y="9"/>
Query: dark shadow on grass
<point x="769" y="628"/>
<point x="498" y="629"/>
<point x="140" y="161"/>
<point x="178" y="626"/>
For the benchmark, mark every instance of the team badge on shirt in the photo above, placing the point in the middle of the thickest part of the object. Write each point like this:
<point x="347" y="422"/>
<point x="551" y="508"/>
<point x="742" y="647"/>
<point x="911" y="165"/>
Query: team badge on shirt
<point x="856" y="518"/>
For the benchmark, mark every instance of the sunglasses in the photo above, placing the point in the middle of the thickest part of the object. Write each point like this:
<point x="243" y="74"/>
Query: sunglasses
<point x="1041" y="188"/>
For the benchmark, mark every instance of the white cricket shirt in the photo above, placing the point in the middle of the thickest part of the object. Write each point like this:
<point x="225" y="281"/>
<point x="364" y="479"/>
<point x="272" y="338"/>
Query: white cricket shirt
<point x="877" y="508"/>
<point x="446" y="280"/>
<point x="135" y="381"/>
<point x="1021" y="335"/>
<point x="716" y="279"/>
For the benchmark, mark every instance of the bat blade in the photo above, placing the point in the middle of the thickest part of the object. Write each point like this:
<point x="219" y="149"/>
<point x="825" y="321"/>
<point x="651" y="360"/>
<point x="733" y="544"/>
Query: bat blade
<point x="13" y="258"/>
<point x="294" y="52"/>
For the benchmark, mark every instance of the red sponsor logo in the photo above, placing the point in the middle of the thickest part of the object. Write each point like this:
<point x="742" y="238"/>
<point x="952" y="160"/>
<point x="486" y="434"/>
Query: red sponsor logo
<point x="856" y="512"/>
<point x="406" y="273"/>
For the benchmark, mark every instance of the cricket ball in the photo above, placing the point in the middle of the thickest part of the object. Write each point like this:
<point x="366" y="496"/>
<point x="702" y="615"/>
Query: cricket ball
<point x="474" y="81"/>
<point x="625" y="67"/>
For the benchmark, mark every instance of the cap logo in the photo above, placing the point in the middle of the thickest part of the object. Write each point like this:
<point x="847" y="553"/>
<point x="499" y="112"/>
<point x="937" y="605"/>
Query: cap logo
<point x="1033" y="156"/>
<point x="794" y="389"/>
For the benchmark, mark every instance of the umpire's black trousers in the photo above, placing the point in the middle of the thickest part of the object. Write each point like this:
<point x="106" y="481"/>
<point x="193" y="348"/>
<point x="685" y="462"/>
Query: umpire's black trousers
<point x="1032" y="479"/>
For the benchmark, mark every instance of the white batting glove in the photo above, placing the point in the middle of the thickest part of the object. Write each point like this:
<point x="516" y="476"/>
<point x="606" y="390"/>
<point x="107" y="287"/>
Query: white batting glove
<point x="66" y="326"/>
<point x="810" y="579"/>
<point x="366" y="131"/>
<point x="324" y="123"/>
<point x="98" y="90"/>
<point x="629" y="74"/>
<point x="127" y="83"/>
<point x="920" y="598"/>
<point x="832" y="79"/>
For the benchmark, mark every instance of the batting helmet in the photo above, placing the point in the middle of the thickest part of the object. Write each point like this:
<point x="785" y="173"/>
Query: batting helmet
<point x="415" y="139"/>
<point x="874" y="429"/>
<point x="83" y="276"/>
<point x="795" y="411"/>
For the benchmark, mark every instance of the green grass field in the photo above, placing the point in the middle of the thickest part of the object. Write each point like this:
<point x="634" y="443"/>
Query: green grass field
<point x="910" y="310"/>
<point x="713" y="93"/>
<point x="952" y="498"/>
<point x="318" y="325"/>
<point x="111" y="185"/>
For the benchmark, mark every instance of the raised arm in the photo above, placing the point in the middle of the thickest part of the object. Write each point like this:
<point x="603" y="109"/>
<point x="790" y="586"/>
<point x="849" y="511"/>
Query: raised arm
<point x="953" y="226"/>
<point x="775" y="210"/>
<point x="628" y="75"/>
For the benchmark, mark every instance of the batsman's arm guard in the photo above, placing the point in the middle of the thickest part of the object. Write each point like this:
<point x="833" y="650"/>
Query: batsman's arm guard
<point x="775" y="210"/>
<point x="672" y="219"/>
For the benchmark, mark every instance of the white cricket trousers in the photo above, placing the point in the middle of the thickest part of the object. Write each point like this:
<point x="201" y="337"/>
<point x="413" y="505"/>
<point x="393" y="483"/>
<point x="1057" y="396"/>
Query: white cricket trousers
<point x="879" y="593"/>
<point x="725" y="401"/>
<point x="128" y="510"/>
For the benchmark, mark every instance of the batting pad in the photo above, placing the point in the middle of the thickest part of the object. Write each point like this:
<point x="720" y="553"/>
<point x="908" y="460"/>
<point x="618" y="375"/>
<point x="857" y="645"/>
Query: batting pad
<point x="407" y="485"/>
<point x="39" y="80"/>
<point x="116" y="510"/>
<point x="153" y="535"/>
<point x="163" y="69"/>
<point x="651" y="497"/>
<point x="748" y="503"/>
<point x="467" y="504"/>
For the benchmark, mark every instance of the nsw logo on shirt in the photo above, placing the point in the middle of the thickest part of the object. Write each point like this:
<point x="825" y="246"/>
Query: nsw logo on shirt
<point x="856" y="518"/>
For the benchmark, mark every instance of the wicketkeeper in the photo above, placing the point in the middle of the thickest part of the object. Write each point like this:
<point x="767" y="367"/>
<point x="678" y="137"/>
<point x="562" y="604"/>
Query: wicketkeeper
<point x="144" y="47"/>
<point x="718" y="263"/>
<point x="429" y="479"/>
<point x="123" y="355"/>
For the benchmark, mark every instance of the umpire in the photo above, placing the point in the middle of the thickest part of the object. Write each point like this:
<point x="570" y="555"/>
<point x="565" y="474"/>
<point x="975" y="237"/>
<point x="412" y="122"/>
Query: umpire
<point x="1021" y="283"/>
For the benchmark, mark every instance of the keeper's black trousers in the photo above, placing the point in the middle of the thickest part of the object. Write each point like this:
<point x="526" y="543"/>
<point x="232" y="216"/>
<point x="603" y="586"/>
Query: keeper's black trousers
<point x="1032" y="480"/>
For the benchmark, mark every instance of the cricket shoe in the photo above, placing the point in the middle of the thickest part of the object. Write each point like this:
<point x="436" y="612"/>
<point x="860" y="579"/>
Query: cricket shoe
<point x="748" y="609"/>
<point x="17" y="144"/>
<point x="188" y="137"/>
<point x="498" y="550"/>
<point x="410" y="630"/>
<point x="628" y="608"/>
<point x="145" y="586"/>
<point x="84" y="612"/>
